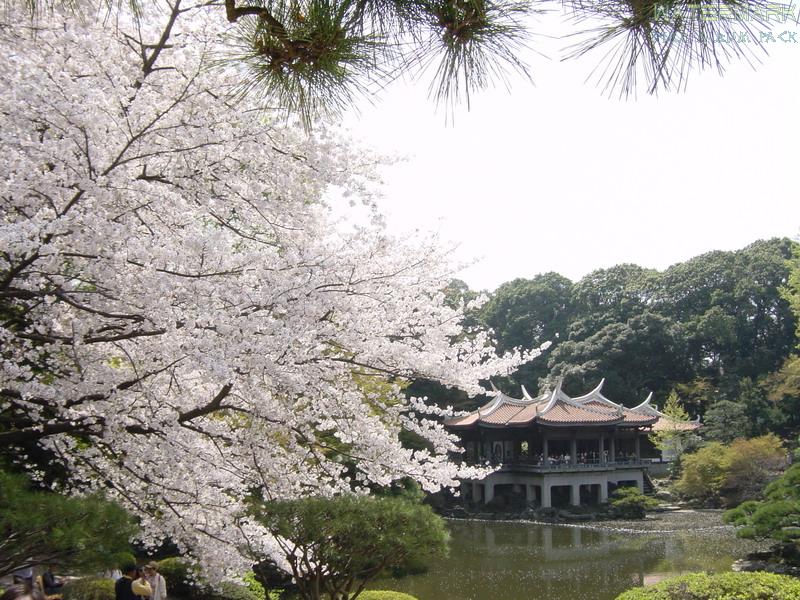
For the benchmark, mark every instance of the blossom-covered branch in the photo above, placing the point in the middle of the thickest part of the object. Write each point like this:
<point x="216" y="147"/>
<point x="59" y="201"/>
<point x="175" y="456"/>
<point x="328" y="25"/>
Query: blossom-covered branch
<point x="181" y="319"/>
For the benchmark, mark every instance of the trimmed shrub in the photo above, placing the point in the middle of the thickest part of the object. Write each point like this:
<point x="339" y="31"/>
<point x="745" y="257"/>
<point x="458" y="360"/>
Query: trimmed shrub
<point x="255" y="586"/>
<point x="124" y="558"/>
<point x="383" y="595"/>
<point x="182" y="583"/>
<point x="630" y="503"/>
<point x="180" y="578"/>
<point x="89" y="588"/>
<point x="723" y="586"/>
<point x="232" y="591"/>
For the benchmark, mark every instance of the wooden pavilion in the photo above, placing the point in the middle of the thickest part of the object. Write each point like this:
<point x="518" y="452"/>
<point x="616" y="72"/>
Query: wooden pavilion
<point x="554" y="449"/>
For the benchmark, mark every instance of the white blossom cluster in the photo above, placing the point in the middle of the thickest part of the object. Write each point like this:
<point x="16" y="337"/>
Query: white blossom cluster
<point x="182" y="321"/>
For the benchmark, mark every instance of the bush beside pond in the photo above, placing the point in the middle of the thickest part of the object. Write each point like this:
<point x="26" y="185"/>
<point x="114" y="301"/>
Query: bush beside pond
<point x="630" y="503"/>
<point x="723" y="586"/>
<point x="89" y="588"/>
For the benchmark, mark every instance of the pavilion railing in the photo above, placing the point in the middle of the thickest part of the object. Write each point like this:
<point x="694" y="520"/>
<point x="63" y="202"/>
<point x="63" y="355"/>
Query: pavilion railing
<point x="558" y="464"/>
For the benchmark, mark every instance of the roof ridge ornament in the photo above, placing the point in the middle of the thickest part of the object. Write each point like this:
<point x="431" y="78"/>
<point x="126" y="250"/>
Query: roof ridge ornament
<point x="646" y="406"/>
<point x="598" y="388"/>
<point x="525" y="394"/>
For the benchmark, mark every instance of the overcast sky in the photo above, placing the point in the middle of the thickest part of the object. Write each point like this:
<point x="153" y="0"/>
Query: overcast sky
<point x="558" y="177"/>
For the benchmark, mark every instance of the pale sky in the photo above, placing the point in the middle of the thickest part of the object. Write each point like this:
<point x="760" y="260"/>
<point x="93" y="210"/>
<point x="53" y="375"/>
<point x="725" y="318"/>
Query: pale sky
<point x="558" y="177"/>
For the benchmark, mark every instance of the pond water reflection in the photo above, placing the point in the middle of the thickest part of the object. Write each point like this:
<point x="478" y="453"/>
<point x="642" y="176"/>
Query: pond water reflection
<point x="525" y="561"/>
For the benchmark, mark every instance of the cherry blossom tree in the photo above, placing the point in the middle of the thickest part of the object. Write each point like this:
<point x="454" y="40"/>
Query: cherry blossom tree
<point x="184" y="320"/>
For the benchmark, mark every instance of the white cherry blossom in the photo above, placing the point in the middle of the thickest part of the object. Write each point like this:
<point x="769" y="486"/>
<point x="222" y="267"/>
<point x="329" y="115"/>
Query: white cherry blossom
<point x="183" y="322"/>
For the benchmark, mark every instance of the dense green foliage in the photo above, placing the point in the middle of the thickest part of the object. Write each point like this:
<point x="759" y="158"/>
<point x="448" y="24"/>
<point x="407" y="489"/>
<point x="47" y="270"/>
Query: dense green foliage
<point x="630" y="503"/>
<point x="777" y="516"/>
<point x="185" y="582"/>
<point x="673" y="440"/>
<point x="726" y="475"/>
<point x="89" y="588"/>
<point x="718" y="329"/>
<point x="232" y="591"/>
<point x="352" y="539"/>
<point x="181" y="578"/>
<point x="791" y="292"/>
<point x="723" y="586"/>
<point x="38" y="527"/>
<point x="255" y="586"/>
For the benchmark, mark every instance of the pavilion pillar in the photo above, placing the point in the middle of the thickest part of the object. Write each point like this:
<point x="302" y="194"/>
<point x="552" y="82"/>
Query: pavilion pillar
<point x="545" y="452"/>
<point x="488" y="493"/>
<point x="638" y="448"/>
<point x="602" y="450"/>
<point x="546" y="497"/>
<point x="476" y="491"/>
<point x="573" y="450"/>
<point x="575" y="494"/>
<point x="612" y="450"/>
<point x="604" y="492"/>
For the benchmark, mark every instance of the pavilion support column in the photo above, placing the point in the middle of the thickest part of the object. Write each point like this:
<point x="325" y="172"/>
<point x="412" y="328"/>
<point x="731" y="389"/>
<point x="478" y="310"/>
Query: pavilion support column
<point x="545" y="452"/>
<point x="488" y="493"/>
<point x="612" y="454"/>
<point x="476" y="491"/>
<point x="546" y="497"/>
<point x="604" y="492"/>
<point x="530" y="494"/>
<point x="638" y="448"/>
<point x="602" y="450"/>
<point x="573" y="450"/>
<point x="575" y="494"/>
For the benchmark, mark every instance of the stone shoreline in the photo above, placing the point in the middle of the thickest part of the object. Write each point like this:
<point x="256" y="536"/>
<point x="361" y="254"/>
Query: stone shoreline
<point x="668" y="518"/>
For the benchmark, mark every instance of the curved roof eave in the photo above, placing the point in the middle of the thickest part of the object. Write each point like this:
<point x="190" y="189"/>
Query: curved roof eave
<point x="646" y="408"/>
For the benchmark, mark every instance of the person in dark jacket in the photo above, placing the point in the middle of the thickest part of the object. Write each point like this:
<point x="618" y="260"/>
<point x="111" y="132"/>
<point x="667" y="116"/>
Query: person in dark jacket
<point x="52" y="584"/>
<point x="131" y="586"/>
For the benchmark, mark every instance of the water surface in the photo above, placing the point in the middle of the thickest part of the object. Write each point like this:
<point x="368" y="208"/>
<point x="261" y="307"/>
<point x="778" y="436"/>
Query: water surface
<point x="526" y="561"/>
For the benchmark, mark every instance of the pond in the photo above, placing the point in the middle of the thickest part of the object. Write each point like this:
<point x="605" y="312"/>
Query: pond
<point x="492" y="560"/>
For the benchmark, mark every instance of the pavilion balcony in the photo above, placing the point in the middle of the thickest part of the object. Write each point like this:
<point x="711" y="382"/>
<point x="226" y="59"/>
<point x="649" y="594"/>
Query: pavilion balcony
<point x="532" y="465"/>
<point x="568" y="467"/>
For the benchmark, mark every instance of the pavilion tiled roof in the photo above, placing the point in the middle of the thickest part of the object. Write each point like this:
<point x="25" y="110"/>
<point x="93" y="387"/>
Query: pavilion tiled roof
<point x="557" y="409"/>
<point x="564" y="413"/>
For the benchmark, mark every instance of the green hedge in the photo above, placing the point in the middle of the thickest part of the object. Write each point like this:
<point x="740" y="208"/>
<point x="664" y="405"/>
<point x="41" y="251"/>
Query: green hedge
<point x="89" y="588"/>
<point x="181" y="583"/>
<point x="231" y="591"/>
<point x="724" y="586"/>
<point x="630" y="503"/>
<point x="383" y="595"/>
<point x="180" y="578"/>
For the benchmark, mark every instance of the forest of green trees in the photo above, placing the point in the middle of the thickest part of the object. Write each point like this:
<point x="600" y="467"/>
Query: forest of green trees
<point x="719" y="329"/>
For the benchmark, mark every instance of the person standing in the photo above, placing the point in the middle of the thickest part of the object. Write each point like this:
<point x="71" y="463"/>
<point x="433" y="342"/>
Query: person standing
<point x="24" y="575"/>
<point x="51" y="582"/>
<point x="156" y="580"/>
<point x="130" y="586"/>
